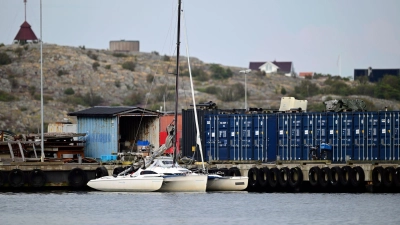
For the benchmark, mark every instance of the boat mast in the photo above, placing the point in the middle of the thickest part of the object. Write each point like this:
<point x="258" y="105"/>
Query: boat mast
<point x="177" y="80"/>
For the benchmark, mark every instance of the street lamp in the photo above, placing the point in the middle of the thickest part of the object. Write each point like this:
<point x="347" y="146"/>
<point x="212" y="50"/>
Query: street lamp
<point x="245" y="86"/>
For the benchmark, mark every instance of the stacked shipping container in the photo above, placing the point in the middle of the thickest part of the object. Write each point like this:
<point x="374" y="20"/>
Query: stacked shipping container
<point x="264" y="136"/>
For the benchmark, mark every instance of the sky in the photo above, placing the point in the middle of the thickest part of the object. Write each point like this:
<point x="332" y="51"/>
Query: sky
<point x="323" y="36"/>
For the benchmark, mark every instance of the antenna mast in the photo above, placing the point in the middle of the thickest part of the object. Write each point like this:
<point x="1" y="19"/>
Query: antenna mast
<point x="25" y="9"/>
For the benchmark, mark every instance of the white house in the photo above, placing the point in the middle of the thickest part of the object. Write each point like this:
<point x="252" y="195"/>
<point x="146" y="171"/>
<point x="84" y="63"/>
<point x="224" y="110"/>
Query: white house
<point x="274" y="67"/>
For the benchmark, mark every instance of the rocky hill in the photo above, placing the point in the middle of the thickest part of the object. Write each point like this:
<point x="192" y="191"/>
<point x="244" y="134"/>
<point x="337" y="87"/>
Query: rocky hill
<point x="76" y="78"/>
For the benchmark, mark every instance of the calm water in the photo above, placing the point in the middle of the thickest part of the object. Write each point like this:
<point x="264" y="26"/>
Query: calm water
<point x="100" y="208"/>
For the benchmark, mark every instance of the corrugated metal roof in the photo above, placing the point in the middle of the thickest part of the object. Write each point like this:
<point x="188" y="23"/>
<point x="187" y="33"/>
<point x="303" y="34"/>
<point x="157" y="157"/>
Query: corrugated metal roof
<point x="109" y="111"/>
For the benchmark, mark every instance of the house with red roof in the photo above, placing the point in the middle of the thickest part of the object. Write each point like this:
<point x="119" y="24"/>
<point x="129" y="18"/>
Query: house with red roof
<point x="285" y="68"/>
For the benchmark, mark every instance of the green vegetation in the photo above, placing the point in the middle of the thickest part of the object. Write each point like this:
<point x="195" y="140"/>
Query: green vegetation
<point x="1" y="45"/>
<point x="197" y="74"/>
<point x="232" y="93"/>
<point x="4" y="59"/>
<point x="92" y="55"/>
<point x="166" y="58"/>
<point x="117" y="83"/>
<point x="46" y="98"/>
<point x="149" y="78"/>
<point x="107" y="67"/>
<point x="129" y="65"/>
<point x="18" y="51"/>
<point x="95" y="65"/>
<point x="119" y="55"/>
<point x="134" y="99"/>
<point x="62" y="72"/>
<point x="89" y="99"/>
<point x="32" y="90"/>
<point x="6" y="97"/>
<point x="213" y="90"/>
<point x="283" y="91"/>
<point x="219" y="73"/>
<point x="155" y="53"/>
<point x="69" y="91"/>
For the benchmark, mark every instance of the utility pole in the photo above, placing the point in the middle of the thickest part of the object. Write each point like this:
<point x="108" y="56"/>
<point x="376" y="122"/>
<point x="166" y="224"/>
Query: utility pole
<point x="245" y="86"/>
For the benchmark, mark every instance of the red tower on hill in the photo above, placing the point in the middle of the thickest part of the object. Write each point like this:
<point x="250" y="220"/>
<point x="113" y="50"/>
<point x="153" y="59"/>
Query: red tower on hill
<point x="25" y="33"/>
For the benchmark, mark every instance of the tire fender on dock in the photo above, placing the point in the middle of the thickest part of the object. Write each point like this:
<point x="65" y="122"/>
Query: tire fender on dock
<point x="16" y="178"/>
<point x="336" y="176"/>
<point x="37" y="178"/>
<point x="324" y="177"/>
<point x="253" y="174"/>
<point x="77" y="178"/>
<point x="358" y="178"/>
<point x="295" y="177"/>
<point x="397" y="177"/>
<point x="377" y="176"/>
<point x="3" y="179"/>
<point x="283" y="176"/>
<point x="347" y="176"/>
<point x="263" y="175"/>
<point x="101" y="171"/>
<point x="273" y="177"/>
<point x="313" y="175"/>
<point x="388" y="176"/>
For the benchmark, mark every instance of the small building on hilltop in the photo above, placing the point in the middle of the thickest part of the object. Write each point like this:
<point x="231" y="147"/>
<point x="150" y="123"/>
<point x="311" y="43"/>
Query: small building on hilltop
<point x="25" y="33"/>
<point x="374" y="75"/>
<point x="269" y="67"/>
<point x="124" y="46"/>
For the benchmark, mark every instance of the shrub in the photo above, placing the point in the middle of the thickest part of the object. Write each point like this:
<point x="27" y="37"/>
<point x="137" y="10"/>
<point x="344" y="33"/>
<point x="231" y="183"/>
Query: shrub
<point x="62" y="72"/>
<point x="119" y="55"/>
<point x="4" y="58"/>
<point x="6" y="97"/>
<point x="218" y="72"/>
<point x="134" y="99"/>
<point x="1" y="45"/>
<point x="117" y="83"/>
<point x="91" y="99"/>
<point x="149" y="78"/>
<point x="155" y="53"/>
<point x="32" y="90"/>
<point x="18" y="51"/>
<point x="232" y="93"/>
<point x="107" y="67"/>
<point x="69" y="91"/>
<point x="95" y="65"/>
<point x="166" y="58"/>
<point x="129" y="65"/>
<point x="283" y="91"/>
<point x="92" y="55"/>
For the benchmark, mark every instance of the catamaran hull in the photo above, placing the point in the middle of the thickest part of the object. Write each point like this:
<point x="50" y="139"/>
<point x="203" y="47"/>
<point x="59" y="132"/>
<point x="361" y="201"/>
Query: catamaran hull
<point x="227" y="183"/>
<point x="182" y="183"/>
<point x="126" y="184"/>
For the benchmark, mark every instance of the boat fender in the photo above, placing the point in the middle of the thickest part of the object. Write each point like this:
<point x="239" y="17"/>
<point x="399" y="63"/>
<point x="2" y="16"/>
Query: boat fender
<point x="16" y="178"/>
<point x="37" y="178"/>
<point x="324" y="177"/>
<point x="358" y="177"/>
<point x="273" y="177"/>
<point x="347" y="175"/>
<point x="77" y="178"/>
<point x="101" y="171"/>
<point x="263" y="174"/>
<point x="397" y="177"/>
<point x="388" y="176"/>
<point x="2" y="179"/>
<point x="295" y="177"/>
<point x="252" y="174"/>
<point x="336" y="176"/>
<point x="377" y="174"/>
<point x="283" y="177"/>
<point x="313" y="175"/>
